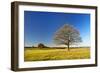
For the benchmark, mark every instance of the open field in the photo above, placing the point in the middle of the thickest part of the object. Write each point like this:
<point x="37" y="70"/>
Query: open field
<point x="36" y="54"/>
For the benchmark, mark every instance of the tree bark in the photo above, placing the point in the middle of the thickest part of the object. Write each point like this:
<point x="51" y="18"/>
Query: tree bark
<point x="68" y="44"/>
<point x="68" y="47"/>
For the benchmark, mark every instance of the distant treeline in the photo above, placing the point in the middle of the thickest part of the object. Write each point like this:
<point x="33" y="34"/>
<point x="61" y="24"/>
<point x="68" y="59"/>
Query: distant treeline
<point x="53" y="47"/>
<point x="48" y="47"/>
<point x="42" y="46"/>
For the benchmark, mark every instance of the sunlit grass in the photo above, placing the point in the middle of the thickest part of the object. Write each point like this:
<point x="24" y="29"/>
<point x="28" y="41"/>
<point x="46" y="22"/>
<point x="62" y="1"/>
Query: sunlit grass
<point x="55" y="54"/>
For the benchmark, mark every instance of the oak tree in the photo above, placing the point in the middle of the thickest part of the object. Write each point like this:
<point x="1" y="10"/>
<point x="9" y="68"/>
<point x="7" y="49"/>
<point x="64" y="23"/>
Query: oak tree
<point x="67" y="35"/>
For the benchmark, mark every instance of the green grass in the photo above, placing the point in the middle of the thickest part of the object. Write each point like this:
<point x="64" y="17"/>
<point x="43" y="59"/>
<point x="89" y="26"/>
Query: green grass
<point x="55" y="54"/>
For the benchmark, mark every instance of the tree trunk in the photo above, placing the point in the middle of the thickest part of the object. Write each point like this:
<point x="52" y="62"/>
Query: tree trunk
<point x="68" y="46"/>
<point x="68" y="43"/>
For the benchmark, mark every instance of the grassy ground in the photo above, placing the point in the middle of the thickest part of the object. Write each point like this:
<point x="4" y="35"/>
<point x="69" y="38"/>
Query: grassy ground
<point x="55" y="54"/>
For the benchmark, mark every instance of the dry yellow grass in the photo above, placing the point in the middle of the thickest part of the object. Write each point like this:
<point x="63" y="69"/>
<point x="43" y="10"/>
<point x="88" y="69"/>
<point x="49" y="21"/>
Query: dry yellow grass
<point x="55" y="54"/>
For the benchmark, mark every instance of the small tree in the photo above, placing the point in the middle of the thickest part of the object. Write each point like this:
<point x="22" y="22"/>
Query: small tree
<point x="40" y="45"/>
<point x="67" y="35"/>
<point x="33" y="46"/>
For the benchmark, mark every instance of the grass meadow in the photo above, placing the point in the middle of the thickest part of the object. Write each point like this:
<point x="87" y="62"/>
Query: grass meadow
<point x="36" y="54"/>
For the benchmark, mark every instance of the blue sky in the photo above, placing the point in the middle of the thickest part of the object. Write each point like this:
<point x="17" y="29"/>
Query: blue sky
<point x="39" y="27"/>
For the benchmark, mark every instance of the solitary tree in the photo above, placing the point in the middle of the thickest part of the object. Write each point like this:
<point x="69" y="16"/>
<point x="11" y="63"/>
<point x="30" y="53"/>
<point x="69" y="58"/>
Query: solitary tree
<point x="67" y="35"/>
<point x="40" y="45"/>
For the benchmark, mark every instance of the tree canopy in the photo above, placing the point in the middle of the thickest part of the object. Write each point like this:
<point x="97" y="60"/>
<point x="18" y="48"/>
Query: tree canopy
<point x="67" y="35"/>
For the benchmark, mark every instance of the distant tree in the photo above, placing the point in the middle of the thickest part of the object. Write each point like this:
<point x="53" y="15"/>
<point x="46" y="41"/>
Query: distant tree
<point x="33" y="46"/>
<point x="40" y="45"/>
<point x="67" y="35"/>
